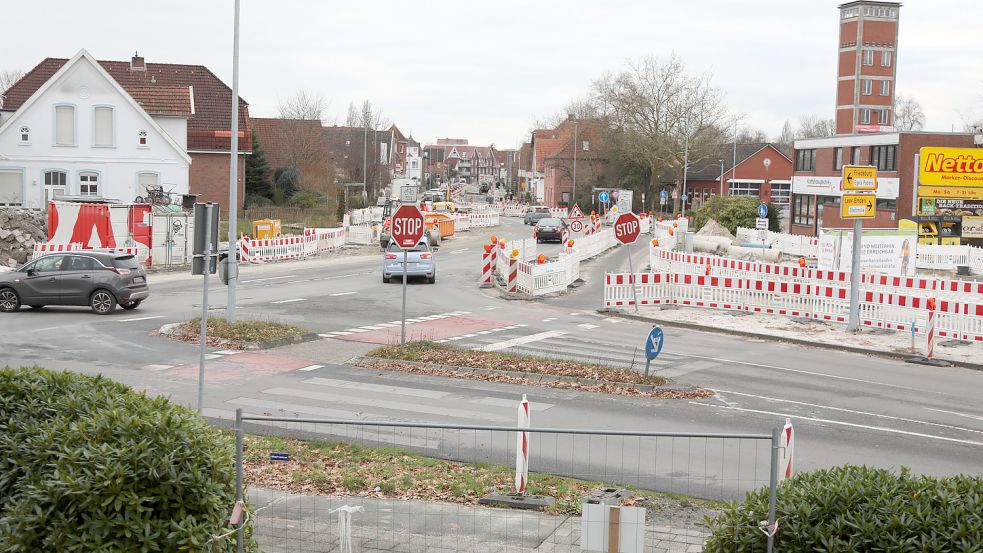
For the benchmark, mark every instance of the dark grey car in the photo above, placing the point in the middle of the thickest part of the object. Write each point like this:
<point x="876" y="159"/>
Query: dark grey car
<point x="99" y="280"/>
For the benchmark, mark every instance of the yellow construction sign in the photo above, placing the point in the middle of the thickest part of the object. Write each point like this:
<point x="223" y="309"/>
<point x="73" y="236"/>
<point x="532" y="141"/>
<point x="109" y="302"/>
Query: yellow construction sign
<point x="858" y="206"/>
<point x="859" y="177"/>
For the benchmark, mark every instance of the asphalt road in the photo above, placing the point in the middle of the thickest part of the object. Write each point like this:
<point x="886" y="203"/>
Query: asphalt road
<point x="847" y="408"/>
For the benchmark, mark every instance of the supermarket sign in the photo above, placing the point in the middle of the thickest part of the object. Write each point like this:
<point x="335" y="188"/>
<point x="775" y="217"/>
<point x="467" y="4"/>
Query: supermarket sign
<point x="956" y="167"/>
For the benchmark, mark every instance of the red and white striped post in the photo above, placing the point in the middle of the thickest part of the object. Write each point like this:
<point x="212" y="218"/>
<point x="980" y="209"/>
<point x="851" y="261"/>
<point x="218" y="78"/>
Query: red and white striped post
<point x="522" y="448"/>
<point x="930" y="329"/>
<point x="513" y="283"/>
<point x="487" y="265"/>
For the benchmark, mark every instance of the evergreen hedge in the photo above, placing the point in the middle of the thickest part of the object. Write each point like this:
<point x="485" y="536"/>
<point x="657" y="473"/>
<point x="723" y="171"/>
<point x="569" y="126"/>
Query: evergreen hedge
<point x="851" y="508"/>
<point x="87" y="464"/>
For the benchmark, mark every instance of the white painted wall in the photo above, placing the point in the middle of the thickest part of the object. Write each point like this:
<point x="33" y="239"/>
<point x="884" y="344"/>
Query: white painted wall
<point x="118" y="166"/>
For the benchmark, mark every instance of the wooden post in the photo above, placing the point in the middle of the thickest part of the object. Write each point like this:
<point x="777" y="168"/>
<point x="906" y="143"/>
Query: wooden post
<point x="614" y="528"/>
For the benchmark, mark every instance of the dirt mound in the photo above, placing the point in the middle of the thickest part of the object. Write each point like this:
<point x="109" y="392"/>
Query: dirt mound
<point x="713" y="228"/>
<point x="20" y="230"/>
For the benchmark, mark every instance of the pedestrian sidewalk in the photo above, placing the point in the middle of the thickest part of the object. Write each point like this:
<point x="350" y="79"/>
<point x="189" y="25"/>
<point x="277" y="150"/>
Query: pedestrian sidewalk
<point x="285" y="523"/>
<point x="809" y="332"/>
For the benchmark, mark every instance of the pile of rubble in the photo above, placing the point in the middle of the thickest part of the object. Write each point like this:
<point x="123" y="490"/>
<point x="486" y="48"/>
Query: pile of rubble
<point x="20" y="230"/>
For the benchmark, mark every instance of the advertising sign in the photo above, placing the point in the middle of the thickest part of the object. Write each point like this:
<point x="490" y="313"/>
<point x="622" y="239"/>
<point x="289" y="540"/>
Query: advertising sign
<point x="887" y="187"/>
<point x="963" y="192"/>
<point x="890" y="252"/>
<point x="942" y="206"/>
<point x="972" y="227"/>
<point x="961" y="167"/>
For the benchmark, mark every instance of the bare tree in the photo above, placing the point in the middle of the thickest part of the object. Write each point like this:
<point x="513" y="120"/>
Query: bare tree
<point x="812" y="126"/>
<point x="786" y="138"/>
<point x="304" y="142"/>
<point x="7" y="80"/>
<point x="908" y="113"/>
<point x="655" y="108"/>
<point x="305" y="105"/>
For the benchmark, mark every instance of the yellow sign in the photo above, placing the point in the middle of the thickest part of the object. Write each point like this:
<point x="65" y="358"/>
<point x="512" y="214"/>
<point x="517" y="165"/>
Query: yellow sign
<point x="859" y="177"/>
<point x="964" y="193"/>
<point x="858" y="206"/>
<point x="972" y="227"/>
<point x="951" y="167"/>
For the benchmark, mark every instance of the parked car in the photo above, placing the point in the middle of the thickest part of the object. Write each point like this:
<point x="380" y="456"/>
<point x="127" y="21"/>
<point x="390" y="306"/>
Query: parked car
<point x="535" y="213"/>
<point x="549" y="228"/>
<point x="419" y="262"/>
<point x="100" y="280"/>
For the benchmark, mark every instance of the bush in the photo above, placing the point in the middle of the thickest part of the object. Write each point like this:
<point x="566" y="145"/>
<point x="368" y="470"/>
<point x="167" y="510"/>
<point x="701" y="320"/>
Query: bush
<point x="854" y="508"/>
<point x="87" y="464"/>
<point x="308" y="199"/>
<point x="255" y="200"/>
<point x="733" y="212"/>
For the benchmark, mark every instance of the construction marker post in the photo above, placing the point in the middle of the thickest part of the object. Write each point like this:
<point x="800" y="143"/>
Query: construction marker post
<point x="522" y="448"/>
<point x="930" y="330"/>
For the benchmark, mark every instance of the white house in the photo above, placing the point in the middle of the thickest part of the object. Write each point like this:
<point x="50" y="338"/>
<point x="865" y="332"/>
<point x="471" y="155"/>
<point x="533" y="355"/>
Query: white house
<point x="81" y="134"/>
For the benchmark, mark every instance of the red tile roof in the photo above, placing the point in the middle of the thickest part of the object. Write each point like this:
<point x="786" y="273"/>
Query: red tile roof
<point x="167" y="101"/>
<point x="211" y="97"/>
<point x="272" y="136"/>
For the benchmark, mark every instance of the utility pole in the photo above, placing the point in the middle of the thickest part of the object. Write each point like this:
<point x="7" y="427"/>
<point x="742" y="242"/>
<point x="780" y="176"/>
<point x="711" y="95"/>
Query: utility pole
<point x="685" y="170"/>
<point x="721" y="176"/>
<point x="232" y="262"/>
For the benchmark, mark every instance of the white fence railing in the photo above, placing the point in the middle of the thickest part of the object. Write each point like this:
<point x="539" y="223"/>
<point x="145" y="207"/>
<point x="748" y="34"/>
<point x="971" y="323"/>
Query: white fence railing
<point x="790" y="244"/>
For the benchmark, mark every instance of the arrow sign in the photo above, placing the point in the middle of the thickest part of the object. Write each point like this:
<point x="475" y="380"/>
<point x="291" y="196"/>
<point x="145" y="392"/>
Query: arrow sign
<point x="859" y="177"/>
<point x="653" y="345"/>
<point x="858" y="206"/>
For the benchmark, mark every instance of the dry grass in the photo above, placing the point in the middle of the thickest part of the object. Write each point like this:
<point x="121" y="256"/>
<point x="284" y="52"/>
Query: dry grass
<point x="222" y="333"/>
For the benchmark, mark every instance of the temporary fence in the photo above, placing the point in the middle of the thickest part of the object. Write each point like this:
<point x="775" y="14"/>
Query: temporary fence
<point x="413" y="486"/>
<point x="363" y="216"/>
<point x="790" y="244"/>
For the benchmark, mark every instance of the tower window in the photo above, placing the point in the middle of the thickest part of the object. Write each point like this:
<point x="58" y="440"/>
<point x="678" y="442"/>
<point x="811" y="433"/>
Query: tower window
<point x="886" y="58"/>
<point x="885" y="88"/>
<point x="865" y="116"/>
<point x="868" y="87"/>
<point x="868" y="57"/>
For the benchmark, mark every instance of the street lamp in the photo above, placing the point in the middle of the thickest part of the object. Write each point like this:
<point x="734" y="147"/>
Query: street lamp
<point x="721" y="176"/>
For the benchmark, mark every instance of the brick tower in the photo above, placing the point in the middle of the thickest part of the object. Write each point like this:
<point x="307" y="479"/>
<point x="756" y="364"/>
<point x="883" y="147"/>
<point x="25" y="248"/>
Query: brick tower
<point x="867" y="66"/>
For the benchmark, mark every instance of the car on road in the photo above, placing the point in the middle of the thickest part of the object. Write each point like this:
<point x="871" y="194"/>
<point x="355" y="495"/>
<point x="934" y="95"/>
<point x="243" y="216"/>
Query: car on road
<point x="100" y="280"/>
<point x="535" y="213"/>
<point x="420" y="262"/>
<point x="550" y="228"/>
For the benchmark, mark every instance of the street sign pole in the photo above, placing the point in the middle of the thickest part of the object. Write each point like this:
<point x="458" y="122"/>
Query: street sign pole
<point x="402" y="334"/>
<point x="204" y="307"/>
<point x="631" y="278"/>
<point x="408" y="227"/>
<point x="854" y="322"/>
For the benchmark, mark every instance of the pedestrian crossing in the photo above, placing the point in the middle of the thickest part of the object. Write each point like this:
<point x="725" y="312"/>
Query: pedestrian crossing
<point x="392" y="324"/>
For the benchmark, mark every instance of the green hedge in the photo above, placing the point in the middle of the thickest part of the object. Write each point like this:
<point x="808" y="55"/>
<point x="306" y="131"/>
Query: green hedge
<point x="850" y="508"/>
<point x="87" y="464"/>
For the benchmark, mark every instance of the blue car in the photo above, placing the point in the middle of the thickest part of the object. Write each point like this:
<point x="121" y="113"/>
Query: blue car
<point x="419" y="262"/>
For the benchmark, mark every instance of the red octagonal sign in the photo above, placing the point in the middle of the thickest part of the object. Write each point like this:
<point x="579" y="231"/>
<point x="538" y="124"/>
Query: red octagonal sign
<point x="407" y="226"/>
<point x="627" y="228"/>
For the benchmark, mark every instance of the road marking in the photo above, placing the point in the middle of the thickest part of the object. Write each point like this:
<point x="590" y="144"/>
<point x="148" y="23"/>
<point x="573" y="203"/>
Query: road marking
<point x="310" y="368"/>
<point x="611" y="320"/>
<point x="227" y="351"/>
<point x="342" y="294"/>
<point x="462" y="250"/>
<point x="575" y="314"/>
<point x="974" y="417"/>
<point x="510" y="403"/>
<point x="212" y="356"/>
<point x="864" y="413"/>
<point x="264" y="279"/>
<point x="521" y="340"/>
<point x="380" y="403"/>
<point x="491" y="307"/>
<point x="549" y="319"/>
<point x="157" y="367"/>
<point x="840" y="423"/>
<point x="469" y="336"/>
<point x="139" y="319"/>
<point x="372" y="327"/>
<point x="799" y="371"/>
<point x="290" y="300"/>
<point x="587" y="326"/>
<point x="484" y="331"/>
<point x="328" y="335"/>
<point x="453" y="338"/>
<point x="356" y="330"/>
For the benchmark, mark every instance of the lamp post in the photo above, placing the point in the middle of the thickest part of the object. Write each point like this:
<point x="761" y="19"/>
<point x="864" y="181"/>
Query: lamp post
<point x="232" y="263"/>
<point x="573" y="199"/>
<point x="721" y="176"/>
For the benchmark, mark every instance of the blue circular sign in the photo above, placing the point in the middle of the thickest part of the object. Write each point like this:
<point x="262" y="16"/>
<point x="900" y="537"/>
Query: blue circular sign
<point x="653" y="345"/>
<point x="603" y="196"/>
<point x="664" y="194"/>
<point x="685" y="197"/>
<point x="762" y="211"/>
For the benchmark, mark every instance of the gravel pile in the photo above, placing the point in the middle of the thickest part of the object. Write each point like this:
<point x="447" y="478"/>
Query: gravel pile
<point x="20" y="230"/>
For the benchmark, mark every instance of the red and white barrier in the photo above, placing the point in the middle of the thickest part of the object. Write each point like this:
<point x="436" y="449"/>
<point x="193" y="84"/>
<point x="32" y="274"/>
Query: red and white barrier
<point x="522" y="447"/>
<point x="513" y="278"/>
<point x="44" y="249"/>
<point x="930" y="331"/>
<point x="487" y="267"/>
<point x="786" y="467"/>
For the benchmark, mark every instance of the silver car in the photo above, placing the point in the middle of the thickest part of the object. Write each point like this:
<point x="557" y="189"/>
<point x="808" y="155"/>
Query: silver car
<point x="100" y="280"/>
<point x="419" y="262"/>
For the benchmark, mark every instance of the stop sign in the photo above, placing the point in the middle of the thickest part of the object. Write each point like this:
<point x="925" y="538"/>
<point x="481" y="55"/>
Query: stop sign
<point x="627" y="228"/>
<point x="407" y="226"/>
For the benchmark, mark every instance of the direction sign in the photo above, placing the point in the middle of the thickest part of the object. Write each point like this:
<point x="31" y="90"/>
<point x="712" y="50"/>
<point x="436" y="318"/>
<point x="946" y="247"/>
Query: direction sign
<point x="762" y="211"/>
<point x="575" y="212"/>
<point x="576" y="225"/>
<point x="653" y="346"/>
<point x="603" y="197"/>
<point x="859" y="177"/>
<point x="858" y="206"/>
<point x="761" y="223"/>
<point x="407" y="226"/>
<point x="627" y="228"/>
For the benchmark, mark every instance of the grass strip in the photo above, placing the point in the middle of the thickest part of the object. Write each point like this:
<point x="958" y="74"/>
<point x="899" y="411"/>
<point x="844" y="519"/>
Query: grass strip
<point x="339" y="469"/>
<point x="432" y="352"/>
<point x="235" y="335"/>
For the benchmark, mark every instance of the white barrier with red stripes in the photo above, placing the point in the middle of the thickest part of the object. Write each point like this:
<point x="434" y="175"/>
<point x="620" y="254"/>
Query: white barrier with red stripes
<point x="483" y="220"/>
<point x="44" y="249"/>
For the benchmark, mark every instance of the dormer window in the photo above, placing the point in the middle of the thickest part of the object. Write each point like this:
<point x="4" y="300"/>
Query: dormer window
<point x="25" y="135"/>
<point x="142" y="138"/>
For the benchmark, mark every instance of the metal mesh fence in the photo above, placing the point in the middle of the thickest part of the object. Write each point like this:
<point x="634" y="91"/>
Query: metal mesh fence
<point x="410" y="487"/>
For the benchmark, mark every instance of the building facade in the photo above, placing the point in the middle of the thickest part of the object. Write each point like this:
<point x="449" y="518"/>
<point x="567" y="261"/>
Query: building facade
<point x="867" y="66"/>
<point x="762" y="171"/>
<point x="79" y="133"/>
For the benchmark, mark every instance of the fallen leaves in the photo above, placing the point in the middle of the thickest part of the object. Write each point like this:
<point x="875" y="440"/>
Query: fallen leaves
<point x="237" y="335"/>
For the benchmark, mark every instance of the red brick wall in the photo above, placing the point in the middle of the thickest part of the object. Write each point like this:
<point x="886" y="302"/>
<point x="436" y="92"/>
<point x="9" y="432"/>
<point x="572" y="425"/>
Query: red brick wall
<point x="882" y="32"/>
<point x="209" y="178"/>
<point x="848" y="63"/>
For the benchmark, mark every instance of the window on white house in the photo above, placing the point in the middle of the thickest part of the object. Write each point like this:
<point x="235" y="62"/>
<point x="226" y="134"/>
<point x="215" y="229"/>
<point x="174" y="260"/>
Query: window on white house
<point x="886" y="58"/>
<point x="25" y="135"/>
<point x="55" y="184"/>
<point x="88" y="184"/>
<point x="65" y="125"/>
<point x="145" y="181"/>
<point x="11" y="187"/>
<point x="868" y="57"/>
<point x="865" y="116"/>
<point x="142" y="138"/>
<point x="868" y="87"/>
<point x="102" y="134"/>
<point x="885" y="88"/>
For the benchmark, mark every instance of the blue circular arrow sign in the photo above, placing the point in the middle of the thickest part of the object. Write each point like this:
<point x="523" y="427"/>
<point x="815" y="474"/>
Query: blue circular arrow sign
<point x="603" y="196"/>
<point x="653" y="345"/>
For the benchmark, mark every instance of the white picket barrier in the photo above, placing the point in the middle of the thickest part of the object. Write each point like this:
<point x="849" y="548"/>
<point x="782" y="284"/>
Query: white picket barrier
<point x="932" y="256"/>
<point x="363" y="234"/>
<point x="323" y="240"/>
<point x="484" y="220"/>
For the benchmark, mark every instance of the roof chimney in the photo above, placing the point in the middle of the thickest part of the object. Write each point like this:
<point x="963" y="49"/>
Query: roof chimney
<point x="137" y="64"/>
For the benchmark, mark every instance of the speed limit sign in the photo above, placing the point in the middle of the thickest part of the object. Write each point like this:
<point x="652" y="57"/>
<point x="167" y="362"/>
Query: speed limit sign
<point x="576" y="225"/>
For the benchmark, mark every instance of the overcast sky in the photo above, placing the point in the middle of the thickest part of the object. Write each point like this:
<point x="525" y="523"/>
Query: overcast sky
<point x="487" y="70"/>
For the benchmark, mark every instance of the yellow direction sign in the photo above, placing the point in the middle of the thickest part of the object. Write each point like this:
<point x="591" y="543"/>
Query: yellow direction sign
<point x="859" y="177"/>
<point x="858" y="206"/>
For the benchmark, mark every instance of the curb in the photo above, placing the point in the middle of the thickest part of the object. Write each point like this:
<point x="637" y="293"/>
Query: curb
<point x="534" y="378"/>
<point x="906" y="357"/>
<point x="269" y="344"/>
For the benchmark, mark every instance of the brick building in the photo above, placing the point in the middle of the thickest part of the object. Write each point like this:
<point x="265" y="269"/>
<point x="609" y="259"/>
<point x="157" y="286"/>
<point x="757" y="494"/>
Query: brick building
<point x="867" y="67"/>
<point x="208" y="128"/>
<point x="762" y="171"/>
<point x="553" y="152"/>
<point x="452" y="158"/>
